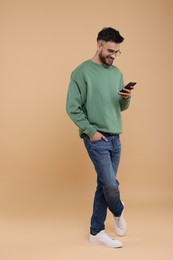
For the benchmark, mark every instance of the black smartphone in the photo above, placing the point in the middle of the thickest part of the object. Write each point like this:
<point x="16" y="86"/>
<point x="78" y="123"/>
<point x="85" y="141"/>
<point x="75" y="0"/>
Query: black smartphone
<point x="128" y="86"/>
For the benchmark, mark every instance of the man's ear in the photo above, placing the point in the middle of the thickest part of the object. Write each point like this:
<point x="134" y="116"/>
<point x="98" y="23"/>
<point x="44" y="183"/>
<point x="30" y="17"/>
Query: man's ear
<point x="99" y="46"/>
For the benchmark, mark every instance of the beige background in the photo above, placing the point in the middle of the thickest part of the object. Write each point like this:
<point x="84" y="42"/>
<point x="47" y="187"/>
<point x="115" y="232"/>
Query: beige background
<point x="47" y="181"/>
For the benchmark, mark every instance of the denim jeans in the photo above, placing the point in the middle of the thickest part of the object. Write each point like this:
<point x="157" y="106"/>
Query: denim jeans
<point x="105" y="156"/>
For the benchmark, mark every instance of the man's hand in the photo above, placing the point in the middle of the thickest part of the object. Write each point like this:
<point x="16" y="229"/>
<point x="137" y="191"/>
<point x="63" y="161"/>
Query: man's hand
<point x="98" y="136"/>
<point x="126" y="95"/>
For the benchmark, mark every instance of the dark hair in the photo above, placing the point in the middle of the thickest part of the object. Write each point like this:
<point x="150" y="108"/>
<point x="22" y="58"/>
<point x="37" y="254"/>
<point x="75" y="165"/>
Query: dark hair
<point x="109" y="34"/>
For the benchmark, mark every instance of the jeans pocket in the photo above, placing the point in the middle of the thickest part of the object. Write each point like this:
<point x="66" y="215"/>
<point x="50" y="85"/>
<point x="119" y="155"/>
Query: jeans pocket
<point x="96" y="141"/>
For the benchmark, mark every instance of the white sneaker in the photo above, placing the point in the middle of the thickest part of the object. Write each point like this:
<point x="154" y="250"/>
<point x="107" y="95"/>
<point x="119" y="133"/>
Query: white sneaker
<point x="103" y="239"/>
<point x="120" y="225"/>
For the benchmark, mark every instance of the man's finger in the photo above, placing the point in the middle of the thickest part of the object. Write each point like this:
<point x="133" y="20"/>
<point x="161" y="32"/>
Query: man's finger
<point x="104" y="138"/>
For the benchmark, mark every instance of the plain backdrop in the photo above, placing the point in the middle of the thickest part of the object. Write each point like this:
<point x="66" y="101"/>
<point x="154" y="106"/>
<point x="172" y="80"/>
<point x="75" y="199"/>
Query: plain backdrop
<point x="45" y="172"/>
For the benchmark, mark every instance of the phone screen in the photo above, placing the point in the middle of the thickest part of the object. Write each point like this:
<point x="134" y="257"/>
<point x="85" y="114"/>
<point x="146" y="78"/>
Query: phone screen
<point x="128" y="86"/>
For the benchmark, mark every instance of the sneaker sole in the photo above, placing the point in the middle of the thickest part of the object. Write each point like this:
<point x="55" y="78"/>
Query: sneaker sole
<point x="97" y="243"/>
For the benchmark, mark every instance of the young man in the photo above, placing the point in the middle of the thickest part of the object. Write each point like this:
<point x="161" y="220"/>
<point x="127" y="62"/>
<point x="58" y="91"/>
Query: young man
<point x="95" y="103"/>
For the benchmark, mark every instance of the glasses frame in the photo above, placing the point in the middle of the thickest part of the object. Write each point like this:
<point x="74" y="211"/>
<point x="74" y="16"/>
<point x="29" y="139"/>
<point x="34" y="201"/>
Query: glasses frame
<point x="112" y="52"/>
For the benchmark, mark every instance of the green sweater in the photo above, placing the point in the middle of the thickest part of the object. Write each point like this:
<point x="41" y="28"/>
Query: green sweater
<point x="93" y="102"/>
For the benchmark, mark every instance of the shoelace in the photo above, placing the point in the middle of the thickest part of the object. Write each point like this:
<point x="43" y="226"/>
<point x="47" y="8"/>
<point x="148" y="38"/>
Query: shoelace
<point x="117" y="220"/>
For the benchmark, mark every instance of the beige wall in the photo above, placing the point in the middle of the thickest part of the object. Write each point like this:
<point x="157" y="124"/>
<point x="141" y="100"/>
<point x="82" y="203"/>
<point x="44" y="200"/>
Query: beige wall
<point x="42" y="160"/>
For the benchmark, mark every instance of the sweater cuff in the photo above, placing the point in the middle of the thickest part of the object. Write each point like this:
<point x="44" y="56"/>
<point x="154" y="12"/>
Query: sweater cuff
<point x="90" y="132"/>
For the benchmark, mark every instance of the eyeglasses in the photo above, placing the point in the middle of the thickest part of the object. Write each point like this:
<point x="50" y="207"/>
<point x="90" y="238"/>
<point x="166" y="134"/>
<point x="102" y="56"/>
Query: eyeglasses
<point x="112" y="52"/>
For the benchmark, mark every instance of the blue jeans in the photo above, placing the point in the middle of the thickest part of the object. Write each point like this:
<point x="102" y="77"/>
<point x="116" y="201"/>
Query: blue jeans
<point x="105" y="156"/>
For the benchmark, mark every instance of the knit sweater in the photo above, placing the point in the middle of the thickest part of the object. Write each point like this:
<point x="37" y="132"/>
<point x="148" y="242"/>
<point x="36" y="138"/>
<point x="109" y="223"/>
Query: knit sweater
<point x="93" y="102"/>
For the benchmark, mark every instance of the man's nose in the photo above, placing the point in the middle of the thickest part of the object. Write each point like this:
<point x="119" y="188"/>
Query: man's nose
<point x="113" y="55"/>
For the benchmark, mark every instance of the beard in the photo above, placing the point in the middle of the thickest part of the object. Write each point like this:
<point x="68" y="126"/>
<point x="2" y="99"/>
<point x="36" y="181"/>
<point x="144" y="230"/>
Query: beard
<point x="106" y="60"/>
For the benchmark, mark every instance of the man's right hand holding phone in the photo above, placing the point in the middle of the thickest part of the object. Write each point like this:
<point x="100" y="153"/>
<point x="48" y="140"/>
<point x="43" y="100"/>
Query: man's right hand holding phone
<point x="126" y="91"/>
<point x="126" y="94"/>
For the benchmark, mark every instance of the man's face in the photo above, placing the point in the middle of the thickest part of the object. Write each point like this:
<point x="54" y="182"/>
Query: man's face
<point x="108" y="51"/>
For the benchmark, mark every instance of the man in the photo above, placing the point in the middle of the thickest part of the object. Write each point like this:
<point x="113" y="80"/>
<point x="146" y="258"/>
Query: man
<point x="94" y="103"/>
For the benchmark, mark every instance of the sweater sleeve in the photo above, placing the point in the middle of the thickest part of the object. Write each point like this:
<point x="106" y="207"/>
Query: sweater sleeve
<point x="124" y="103"/>
<point x="75" y="107"/>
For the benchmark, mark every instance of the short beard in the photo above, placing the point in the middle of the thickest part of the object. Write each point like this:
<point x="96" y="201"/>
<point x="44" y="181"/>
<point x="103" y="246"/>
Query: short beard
<point x="103" y="60"/>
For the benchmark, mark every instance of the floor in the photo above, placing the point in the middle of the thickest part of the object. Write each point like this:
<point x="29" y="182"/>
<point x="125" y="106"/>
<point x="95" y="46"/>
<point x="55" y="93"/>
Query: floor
<point x="52" y="232"/>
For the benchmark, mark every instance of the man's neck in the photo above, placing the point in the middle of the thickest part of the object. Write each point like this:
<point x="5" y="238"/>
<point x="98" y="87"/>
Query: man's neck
<point x="97" y="60"/>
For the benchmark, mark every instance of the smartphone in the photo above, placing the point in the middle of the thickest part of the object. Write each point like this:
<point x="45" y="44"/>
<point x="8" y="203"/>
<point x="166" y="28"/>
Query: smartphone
<point x="128" y="86"/>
